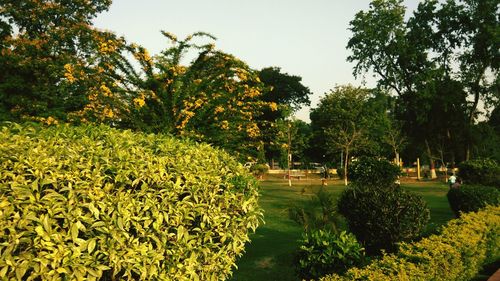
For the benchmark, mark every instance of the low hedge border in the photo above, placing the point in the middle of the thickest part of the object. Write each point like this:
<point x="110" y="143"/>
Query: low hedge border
<point x="464" y="246"/>
<point x="96" y="203"/>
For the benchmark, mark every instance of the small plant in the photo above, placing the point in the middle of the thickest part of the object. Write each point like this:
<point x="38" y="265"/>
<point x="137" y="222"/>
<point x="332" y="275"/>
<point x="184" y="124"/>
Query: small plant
<point x="381" y="217"/>
<point x="480" y="172"/>
<point x="323" y="252"/>
<point x="318" y="213"/>
<point x="472" y="198"/>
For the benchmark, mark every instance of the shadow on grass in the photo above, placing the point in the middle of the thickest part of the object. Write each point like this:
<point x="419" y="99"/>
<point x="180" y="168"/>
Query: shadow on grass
<point x="270" y="255"/>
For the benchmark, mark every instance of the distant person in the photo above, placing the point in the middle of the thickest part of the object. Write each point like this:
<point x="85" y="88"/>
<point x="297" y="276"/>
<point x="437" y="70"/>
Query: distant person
<point x="457" y="184"/>
<point x="452" y="180"/>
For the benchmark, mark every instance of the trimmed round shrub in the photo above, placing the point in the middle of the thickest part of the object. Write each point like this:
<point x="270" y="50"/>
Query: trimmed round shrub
<point x="368" y="171"/>
<point x="480" y="172"/>
<point x="323" y="252"/>
<point x="381" y="217"/>
<point x="97" y="203"/>
<point x="469" y="198"/>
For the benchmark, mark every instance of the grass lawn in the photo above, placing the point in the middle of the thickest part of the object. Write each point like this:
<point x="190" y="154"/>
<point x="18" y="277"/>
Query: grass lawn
<point x="270" y="254"/>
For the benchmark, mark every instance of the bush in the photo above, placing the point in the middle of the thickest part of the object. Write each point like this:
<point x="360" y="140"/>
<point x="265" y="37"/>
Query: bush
<point x="480" y="172"/>
<point x="259" y="169"/>
<point x="368" y="171"/>
<point x="472" y="198"/>
<point x="98" y="203"/>
<point x="323" y="252"/>
<point x="381" y="217"/>
<point x="464" y="246"/>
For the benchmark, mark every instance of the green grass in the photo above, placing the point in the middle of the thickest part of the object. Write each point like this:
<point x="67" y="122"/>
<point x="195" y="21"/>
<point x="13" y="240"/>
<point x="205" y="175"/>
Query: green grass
<point x="270" y="254"/>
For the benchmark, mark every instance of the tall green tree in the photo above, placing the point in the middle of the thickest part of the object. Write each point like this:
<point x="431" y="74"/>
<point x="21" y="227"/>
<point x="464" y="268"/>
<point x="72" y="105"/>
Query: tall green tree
<point x="440" y="63"/>
<point x="289" y="94"/>
<point x="348" y="120"/>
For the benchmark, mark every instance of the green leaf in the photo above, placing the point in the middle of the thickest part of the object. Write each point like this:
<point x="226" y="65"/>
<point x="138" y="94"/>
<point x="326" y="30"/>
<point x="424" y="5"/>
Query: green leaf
<point x="74" y="232"/>
<point x="91" y="245"/>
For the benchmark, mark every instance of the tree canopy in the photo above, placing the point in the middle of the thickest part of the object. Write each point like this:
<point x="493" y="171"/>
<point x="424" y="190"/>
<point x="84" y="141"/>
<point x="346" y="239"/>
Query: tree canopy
<point x="440" y="62"/>
<point x="350" y="120"/>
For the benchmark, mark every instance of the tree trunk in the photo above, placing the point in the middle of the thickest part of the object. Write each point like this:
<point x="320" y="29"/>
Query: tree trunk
<point x="345" y="165"/>
<point x="432" y="166"/>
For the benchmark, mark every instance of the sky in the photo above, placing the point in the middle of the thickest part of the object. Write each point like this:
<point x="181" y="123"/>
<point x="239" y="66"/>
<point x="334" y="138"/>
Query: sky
<point x="303" y="38"/>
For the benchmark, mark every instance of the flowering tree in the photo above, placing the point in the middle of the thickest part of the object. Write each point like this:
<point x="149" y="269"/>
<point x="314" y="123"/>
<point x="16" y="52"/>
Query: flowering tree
<point x="214" y="98"/>
<point x="53" y="64"/>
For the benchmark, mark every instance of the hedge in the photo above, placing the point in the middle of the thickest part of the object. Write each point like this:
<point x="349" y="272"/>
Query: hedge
<point x="470" y="198"/>
<point x="464" y="246"/>
<point x="480" y="172"/>
<point x="98" y="203"/>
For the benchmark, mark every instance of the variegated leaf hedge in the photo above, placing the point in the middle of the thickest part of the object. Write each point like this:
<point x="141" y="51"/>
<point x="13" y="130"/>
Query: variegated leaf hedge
<point x="97" y="203"/>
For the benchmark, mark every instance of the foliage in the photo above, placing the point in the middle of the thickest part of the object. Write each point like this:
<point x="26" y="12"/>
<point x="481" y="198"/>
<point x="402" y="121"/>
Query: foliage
<point x="369" y="171"/>
<point x="349" y="119"/>
<point x="98" y="203"/>
<point x="288" y="92"/>
<point x="340" y="173"/>
<point x="216" y="98"/>
<point x="259" y="169"/>
<point x="320" y="213"/>
<point x="54" y="65"/>
<point x="381" y="216"/>
<point x="323" y="252"/>
<point x="441" y="61"/>
<point x="486" y="139"/>
<point x="459" y="252"/>
<point x="470" y="198"/>
<point x="480" y="171"/>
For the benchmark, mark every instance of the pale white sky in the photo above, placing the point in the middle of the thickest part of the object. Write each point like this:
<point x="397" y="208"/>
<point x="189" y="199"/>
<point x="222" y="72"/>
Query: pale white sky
<point x="304" y="38"/>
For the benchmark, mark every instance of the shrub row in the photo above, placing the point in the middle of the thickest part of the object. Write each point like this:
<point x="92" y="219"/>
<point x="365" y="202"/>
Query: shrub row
<point x="481" y="172"/>
<point x="97" y="203"/>
<point x="464" y="246"/>
<point x="470" y="198"/>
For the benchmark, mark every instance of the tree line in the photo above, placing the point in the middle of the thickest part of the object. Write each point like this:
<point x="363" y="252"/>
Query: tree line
<point x="436" y="72"/>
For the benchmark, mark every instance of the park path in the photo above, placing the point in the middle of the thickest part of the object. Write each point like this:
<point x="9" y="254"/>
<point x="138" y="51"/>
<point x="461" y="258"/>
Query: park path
<point x="495" y="277"/>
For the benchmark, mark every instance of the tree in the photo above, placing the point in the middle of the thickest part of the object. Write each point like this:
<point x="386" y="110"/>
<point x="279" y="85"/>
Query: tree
<point x="215" y="98"/>
<point x="439" y="63"/>
<point x="50" y="58"/>
<point x="395" y="139"/>
<point x="288" y="92"/>
<point x="347" y="118"/>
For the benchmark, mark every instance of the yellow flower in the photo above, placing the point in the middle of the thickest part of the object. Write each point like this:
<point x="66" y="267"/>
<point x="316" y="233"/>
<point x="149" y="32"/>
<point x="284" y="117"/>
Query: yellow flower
<point x="273" y="106"/>
<point x="51" y="121"/>
<point x="69" y="73"/>
<point x="105" y="91"/>
<point x="139" y="102"/>
<point x="219" y="109"/>
<point x="108" y="112"/>
<point x="224" y="125"/>
<point x="253" y="130"/>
